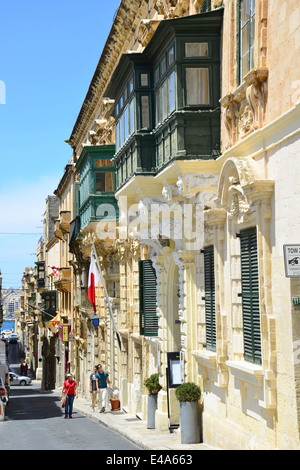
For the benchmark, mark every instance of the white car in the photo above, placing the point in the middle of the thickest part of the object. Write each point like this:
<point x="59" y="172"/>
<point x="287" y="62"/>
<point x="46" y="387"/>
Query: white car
<point x="16" y="379"/>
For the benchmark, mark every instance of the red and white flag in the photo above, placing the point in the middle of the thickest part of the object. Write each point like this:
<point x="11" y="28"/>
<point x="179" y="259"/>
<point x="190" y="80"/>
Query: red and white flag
<point x="55" y="269"/>
<point x="94" y="279"/>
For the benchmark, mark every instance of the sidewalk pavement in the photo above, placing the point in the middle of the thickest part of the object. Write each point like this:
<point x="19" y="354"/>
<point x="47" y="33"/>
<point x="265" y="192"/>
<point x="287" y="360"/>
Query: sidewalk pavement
<point x="135" y="430"/>
<point x="131" y="427"/>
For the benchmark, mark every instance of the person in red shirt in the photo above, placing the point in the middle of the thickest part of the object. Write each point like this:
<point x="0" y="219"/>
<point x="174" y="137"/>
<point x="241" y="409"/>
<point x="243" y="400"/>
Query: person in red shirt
<point x="70" y="389"/>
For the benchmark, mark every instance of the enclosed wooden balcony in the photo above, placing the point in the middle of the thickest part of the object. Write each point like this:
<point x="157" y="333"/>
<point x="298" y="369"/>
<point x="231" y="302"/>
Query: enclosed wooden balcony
<point x="65" y="219"/>
<point x="63" y="283"/>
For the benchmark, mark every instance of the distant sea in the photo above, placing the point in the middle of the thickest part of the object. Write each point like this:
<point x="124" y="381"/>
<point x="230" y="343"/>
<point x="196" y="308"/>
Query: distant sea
<point x="8" y="325"/>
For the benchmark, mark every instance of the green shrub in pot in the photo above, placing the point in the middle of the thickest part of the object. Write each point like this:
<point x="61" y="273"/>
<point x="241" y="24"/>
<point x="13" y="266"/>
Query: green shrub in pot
<point x="152" y="384"/>
<point x="188" y="395"/>
<point x="188" y="391"/>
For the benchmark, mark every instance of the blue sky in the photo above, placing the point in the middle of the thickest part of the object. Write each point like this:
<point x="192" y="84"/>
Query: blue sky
<point x="48" y="55"/>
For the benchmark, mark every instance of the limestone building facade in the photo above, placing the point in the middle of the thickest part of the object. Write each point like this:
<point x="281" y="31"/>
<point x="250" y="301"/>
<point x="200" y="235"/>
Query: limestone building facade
<point x="185" y="174"/>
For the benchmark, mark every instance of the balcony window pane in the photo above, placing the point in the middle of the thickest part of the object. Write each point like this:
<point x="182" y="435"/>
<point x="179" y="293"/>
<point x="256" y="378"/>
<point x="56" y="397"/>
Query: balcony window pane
<point x="164" y="100"/>
<point x="144" y="79"/>
<point x="104" y="182"/>
<point x="131" y="85"/>
<point x="156" y="74"/>
<point x="157" y="100"/>
<point x="171" y="56"/>
<point x="163" y="65"/>
<point x="126" y="124"/>
<point x="196" y="49"/>
<point x="122" y="130"/>
<point x="197" y="86"/>
<point x="100" y="182"/>
<point x="132" y="119"/>
<point x="145" y="111"/>
<point x="117" y="136"/>
<point x="172" y="92"/>
<point x="109" y="182"/>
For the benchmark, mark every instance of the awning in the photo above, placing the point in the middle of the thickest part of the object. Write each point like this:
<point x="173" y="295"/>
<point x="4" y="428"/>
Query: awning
<point x="55" y="320"/>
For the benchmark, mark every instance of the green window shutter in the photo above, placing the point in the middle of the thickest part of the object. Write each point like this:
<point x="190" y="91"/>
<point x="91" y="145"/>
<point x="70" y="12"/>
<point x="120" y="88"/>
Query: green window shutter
<point x="148" y="316"/>
<point x="250" y="296"/>
<point x="210" y="309"/>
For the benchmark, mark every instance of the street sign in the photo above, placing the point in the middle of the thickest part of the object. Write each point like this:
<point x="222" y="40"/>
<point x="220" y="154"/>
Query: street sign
<point x="292" y="260"/>
<point x="296" y="300"/>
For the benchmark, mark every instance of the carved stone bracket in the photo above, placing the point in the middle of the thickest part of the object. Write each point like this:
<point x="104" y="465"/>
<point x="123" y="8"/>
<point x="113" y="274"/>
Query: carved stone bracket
<point x="244" y="109"/>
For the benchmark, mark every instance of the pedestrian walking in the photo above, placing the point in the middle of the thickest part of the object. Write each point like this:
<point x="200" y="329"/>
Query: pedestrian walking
<point x="70" y="389"/>
<point x="102" y="381"/>
<point x="93" y="389"/>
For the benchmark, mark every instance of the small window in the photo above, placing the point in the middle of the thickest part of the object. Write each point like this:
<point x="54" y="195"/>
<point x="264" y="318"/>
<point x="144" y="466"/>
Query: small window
<point x="171" y="56"/>
<point x="163" y="65"/>
<point x="246" y="37"/>
<point x="197" y="86"/>
<point x="156" y="74"/>
<point x="131" y="85"/>
<point x="196" y="49"/>
<point x="144" y="79"/>
<point x="104" y="182"/>
<point x="145" y="111"/>
<point x="165" y="98"/>
<point x="132" y="116"/>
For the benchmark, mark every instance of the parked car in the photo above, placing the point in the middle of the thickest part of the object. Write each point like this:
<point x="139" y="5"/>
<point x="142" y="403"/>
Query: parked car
<point x="16" y="379"/>
<point x="13" y="338"/>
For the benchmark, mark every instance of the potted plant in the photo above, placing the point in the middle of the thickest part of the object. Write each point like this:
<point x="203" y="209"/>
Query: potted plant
<point x="188" y="395"/>
<point x="153" y="386"/>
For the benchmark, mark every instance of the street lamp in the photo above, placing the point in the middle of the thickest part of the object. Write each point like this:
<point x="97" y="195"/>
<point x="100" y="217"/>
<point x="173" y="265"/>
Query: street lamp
<point x="95" y="320"/>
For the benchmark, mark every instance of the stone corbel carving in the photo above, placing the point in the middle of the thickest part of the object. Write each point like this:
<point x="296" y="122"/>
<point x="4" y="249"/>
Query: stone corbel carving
<point x="147" y="29"/>
<point x="243" y="109"/>
<point x="239" y="203"/>
<point x="181" y="9"/>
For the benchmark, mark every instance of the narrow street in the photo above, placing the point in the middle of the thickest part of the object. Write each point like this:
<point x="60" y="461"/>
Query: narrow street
<point x="34" y="421"/>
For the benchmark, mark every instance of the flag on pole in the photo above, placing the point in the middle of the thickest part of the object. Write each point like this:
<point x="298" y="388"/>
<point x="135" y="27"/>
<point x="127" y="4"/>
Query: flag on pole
<point x="101" y="278"/>
<point x="94" y="279"/>
<point x="55" y="269"/>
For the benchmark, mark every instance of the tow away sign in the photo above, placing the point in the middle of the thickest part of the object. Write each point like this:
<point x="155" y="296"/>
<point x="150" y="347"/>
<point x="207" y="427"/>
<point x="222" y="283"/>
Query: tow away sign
<point x="292" y="260"/>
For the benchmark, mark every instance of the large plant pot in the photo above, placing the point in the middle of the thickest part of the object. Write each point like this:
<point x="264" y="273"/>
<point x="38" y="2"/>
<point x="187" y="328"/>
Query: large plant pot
<point x="151" y="408"/>
<point x="115" y="403"/>
<point x="190" y="422"/>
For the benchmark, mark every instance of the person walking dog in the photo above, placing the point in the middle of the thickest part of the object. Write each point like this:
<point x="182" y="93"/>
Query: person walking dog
<point x="70" y="390"/>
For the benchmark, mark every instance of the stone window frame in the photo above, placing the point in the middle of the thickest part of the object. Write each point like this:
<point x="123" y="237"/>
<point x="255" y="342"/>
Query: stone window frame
<point x="243" y="201"/>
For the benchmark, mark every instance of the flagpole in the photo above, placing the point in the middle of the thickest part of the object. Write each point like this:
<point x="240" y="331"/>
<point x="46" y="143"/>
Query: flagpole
<point x="106" y="294"/>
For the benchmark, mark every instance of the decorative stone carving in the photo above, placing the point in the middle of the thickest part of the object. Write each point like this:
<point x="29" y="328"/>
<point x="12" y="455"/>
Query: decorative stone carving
<point x="244" y="109"/>
<point x="239" y="203"/>
<point x="147" y="28"/>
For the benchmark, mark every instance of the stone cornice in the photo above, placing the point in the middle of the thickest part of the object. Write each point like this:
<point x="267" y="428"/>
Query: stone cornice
<point x="123" y="24"/>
